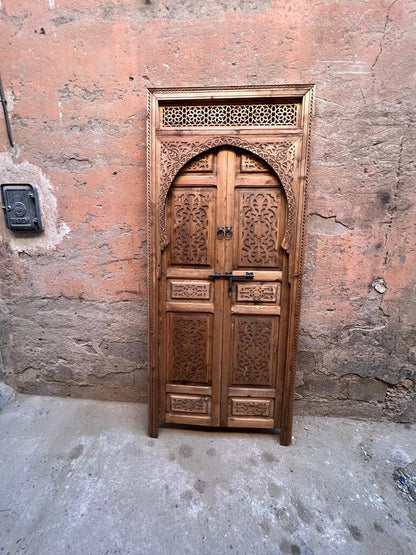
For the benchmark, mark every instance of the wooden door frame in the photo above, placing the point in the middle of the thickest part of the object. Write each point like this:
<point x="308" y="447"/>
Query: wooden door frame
<point x="285" y="148"/>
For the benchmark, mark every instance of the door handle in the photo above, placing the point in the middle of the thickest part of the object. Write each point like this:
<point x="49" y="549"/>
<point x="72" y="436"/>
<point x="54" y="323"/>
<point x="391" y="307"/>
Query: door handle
<point x="220" y="233"/>
<point x="228" y="232"/>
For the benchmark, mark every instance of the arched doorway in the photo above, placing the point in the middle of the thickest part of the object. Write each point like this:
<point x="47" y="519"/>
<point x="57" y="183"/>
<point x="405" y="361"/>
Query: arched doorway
<point x="223" y="294"/>
<point x="226" y="192"/>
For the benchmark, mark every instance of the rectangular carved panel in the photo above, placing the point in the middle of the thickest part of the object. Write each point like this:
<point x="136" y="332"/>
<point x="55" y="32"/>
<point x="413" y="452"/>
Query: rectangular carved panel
<point x="198" y="290"/>
<point x="258" y="228"/>
<point x="254" y="346"/>
<point x="190" y="359"/>
<point x="258" y="292"/>
<point x="191" y="221"/>
<point x="251" y="407"/>
<point x="188" y="403"/>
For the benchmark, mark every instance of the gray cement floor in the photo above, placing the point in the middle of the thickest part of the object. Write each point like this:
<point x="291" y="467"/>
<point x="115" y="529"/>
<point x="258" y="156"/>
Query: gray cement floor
<point x="81" y="476"/>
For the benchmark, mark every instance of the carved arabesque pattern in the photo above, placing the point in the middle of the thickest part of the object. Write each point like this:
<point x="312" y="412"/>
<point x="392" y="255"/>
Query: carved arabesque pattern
<point x="184" y="290"/>
<point x="257" y="292"/>
<point x="259" y="229"/>
<point x="253" y="345"/>
<point x="190" y="342"/>
<point x="227" y="115"/>
<point x="242" y="407"/>
<point x="190" y="227"/>
<point x="200" y="164"/>
<point x="188" y="404"/>
<point x="251" y="164"/>
<point x="279" y="155"/>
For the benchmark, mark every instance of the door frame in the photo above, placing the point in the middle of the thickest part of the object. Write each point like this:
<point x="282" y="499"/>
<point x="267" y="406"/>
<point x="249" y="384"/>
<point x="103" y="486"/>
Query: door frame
<point x="283" y="143"/>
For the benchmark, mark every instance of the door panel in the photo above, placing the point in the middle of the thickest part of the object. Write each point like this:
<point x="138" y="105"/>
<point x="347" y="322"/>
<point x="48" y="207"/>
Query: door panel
<point x="190" y="353"/>
<point x="192" y="226"/>
<point x="257" y="221"/>
<point x="253" y="358"/>
<point x="253" y="310"/>
<point x="191" y="317"/>
<point x="220" y="361"/>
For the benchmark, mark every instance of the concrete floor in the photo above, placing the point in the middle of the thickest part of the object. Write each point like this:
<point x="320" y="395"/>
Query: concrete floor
<point x="81" y="476"/>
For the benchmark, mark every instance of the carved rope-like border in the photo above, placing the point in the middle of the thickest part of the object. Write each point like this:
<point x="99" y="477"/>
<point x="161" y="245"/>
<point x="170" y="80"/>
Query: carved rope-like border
<point x="302" y="240"/>
<point x="150" y="390"/>
<point x="279" y="155"/>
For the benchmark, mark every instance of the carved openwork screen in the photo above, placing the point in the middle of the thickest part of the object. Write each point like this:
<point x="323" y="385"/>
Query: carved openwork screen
<point x="230" y="115"/>
<point x="226" y="215"/>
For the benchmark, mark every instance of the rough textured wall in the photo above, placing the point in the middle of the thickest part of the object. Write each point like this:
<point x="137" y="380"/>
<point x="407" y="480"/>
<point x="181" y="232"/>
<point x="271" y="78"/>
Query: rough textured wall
<point x="73" y="304"/>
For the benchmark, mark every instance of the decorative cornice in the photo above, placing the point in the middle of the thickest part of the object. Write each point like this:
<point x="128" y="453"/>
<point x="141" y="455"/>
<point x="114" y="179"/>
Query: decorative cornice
<point x="299" y="87"/>
<point x="279" y="155"/>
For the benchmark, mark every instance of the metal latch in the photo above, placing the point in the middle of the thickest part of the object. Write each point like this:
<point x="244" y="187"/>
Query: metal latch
<point x="231" y="278"/>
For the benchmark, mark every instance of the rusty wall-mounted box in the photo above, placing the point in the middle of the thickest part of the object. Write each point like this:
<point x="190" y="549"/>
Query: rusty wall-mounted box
<point x="21" y="207"/>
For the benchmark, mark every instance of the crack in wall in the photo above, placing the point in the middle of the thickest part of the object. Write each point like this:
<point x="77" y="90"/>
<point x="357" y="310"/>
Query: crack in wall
<point x="330" y="218"/>
<point x="386" y="22"/>
<point x="326" y="225"/>
<point x="396" y="191"/>
<point x="392" y="211"/>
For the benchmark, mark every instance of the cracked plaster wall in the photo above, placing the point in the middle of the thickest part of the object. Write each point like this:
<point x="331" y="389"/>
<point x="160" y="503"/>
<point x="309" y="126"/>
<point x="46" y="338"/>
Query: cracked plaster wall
<point x="72" y="306"/>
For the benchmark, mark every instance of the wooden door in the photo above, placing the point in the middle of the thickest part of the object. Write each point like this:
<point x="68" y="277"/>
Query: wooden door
<point x="220" y="360"/>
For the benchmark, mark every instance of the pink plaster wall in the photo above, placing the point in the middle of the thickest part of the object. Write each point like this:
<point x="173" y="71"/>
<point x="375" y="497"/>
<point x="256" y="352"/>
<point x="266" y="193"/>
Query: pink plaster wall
<point x="75" y="74"/>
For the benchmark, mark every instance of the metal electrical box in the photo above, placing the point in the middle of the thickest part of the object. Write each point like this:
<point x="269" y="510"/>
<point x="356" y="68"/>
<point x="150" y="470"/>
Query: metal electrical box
<point x="21" y="207"/>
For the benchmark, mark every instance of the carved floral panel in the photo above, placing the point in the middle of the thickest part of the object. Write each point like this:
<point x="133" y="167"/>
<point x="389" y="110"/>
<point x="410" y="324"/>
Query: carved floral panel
<point x="259" y="227"/>
<point x="190" y="344"/>
<point x="190" y="227"/>
<point x="253" y="350"/>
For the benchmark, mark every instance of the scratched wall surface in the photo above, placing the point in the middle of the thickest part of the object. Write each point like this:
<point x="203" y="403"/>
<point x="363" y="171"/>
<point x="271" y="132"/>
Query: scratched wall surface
<point x="75" y="72"/>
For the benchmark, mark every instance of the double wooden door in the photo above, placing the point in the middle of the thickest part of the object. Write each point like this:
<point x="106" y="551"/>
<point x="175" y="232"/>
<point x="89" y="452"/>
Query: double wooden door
<point x="223" y="294"/>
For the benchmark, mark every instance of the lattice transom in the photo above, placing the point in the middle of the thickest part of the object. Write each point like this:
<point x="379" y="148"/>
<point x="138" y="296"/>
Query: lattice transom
<point x="230" y="115"/>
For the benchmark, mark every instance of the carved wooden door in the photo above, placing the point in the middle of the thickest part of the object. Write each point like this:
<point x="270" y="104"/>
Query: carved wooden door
<point x="223" y="293"/>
